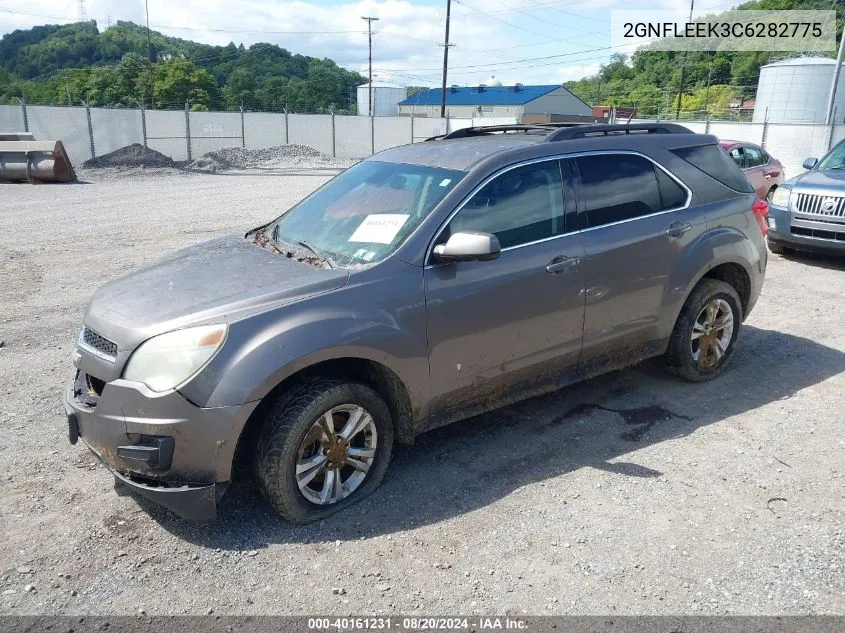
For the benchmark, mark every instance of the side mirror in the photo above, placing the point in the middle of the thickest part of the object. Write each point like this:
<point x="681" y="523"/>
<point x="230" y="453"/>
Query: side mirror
<point x="810" y="162"/>
<point x="466" y="246"/>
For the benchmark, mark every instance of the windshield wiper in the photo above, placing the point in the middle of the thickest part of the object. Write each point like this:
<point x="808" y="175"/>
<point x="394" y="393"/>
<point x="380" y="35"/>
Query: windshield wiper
<point x="317" y="252"/>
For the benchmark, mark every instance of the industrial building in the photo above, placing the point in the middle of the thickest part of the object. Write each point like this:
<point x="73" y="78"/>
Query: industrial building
<point x="385" y="99"/>
<point x="497" y="101"/>
<point x="797" y="91"/>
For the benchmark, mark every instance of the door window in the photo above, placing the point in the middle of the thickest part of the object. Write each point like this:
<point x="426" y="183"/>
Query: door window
<point x="616" y="187"/>
<point x="738" y="154"/>
<point x="520" y="206"/>
<point x="754" y="157"/>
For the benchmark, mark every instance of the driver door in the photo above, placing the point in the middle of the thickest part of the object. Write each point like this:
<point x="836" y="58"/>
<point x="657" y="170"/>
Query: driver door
<point x="503" y="329"/>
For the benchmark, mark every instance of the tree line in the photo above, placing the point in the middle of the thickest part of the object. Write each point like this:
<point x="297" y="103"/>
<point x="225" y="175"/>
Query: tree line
<point x="73" y="63"/>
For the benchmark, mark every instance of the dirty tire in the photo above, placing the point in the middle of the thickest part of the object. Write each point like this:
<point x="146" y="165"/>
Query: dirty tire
<point x="288" y="421"/>
<point x="679" y="358"/>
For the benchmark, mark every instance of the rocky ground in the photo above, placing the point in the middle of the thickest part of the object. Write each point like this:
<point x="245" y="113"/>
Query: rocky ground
<point x="668" y="498"/>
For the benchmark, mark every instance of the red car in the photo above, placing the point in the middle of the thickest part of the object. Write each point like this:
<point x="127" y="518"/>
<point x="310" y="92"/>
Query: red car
<point x="765" y="172"/>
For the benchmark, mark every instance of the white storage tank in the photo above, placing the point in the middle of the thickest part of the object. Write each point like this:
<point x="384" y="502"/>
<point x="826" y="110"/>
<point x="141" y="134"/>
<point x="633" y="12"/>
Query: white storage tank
<point x="386" y="98"/>
<point x="796" y="91"/>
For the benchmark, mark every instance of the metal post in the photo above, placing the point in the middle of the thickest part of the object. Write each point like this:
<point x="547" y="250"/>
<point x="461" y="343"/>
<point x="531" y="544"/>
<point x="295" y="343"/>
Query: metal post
<point x="707" y="124"/>
<point x="835" y="81"/>
<point x="372" y="135"/>
<point x="90" y="127"/>
<point x="188" y="128"/>
<point x="765" y="129"/>
<point x="412" y="127"/>
<point x="144" y="122"/>
<point x="831" y="129"/>
<point x="243" y="129"/>
<point x="334" y="140"/>
<point x="23" y="111"/>
<point x="287" y="138"/>
<point x="447" y="123"/>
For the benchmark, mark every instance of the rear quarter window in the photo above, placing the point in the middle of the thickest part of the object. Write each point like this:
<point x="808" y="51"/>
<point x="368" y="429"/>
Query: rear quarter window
<point x="716" y="163"/>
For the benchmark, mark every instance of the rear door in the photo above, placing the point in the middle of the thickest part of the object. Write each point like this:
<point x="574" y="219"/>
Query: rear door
<point x="636" y="224"/>
<point x="499" y="328"/>
<point x="755" y="170"/>
<point x="761" y="176"/>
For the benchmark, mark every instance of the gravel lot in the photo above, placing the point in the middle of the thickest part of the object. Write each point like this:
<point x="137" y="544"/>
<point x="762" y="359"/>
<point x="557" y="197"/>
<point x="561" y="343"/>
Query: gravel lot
<point x="668" y="498"/>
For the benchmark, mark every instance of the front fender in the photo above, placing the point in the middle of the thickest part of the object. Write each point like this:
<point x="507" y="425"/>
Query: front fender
<point x="354" y="322"/>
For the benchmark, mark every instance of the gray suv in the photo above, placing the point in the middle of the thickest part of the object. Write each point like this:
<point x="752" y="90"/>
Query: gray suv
<point x="808" y="212"/>
<point x="426" y="284"/>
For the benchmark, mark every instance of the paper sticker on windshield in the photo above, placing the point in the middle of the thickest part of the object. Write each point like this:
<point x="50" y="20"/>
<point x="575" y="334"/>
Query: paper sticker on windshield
<point x="445" y="182"/>
<point x="379" y="229"/>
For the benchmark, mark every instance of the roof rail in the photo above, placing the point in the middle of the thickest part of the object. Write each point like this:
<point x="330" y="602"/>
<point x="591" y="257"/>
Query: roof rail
<point x="603" y="129"/>
<point x="483" y="130"/>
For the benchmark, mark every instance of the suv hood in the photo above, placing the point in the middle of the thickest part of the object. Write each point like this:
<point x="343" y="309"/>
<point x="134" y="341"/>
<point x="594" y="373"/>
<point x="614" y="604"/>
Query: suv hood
<point x="221" y="280"/>
<point x="831" y="181"/>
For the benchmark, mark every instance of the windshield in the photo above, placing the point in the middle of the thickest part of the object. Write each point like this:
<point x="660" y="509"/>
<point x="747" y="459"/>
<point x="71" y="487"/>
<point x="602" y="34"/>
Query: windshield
<point x="365" y="213"/>
<point x="835" y="158"/>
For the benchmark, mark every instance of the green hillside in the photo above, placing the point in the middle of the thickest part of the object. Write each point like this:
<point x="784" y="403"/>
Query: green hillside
<point x="61" y="64"/>
<point x="650" y="80"/>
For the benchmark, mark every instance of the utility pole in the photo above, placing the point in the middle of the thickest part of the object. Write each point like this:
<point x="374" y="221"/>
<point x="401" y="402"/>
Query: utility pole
<point x="831" y="99"/>
<point x="683" y="69"/>
<point x="149" y="50"/>
<point x="446" y="46"/>
<point x="370" y="21"/>
<point x="707" y="94"/>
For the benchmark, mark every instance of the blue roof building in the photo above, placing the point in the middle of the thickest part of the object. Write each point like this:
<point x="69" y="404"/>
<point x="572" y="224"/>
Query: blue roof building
<point x="497" y="101"/>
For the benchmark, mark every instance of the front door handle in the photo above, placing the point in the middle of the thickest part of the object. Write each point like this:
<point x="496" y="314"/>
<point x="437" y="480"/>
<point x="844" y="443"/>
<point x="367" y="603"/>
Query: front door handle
<point x="677" y="229"/>
<point x="561" y="263"/>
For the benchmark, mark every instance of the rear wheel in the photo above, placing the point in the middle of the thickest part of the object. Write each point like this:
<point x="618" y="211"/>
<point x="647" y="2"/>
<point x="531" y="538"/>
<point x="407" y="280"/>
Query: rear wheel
<point x="706" y="331"/>
<point x="323" y="448"/>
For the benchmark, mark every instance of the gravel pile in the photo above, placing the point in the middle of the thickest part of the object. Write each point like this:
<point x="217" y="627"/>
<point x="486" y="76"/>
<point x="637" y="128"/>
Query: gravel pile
<point x="135" y="155"/>
<point x="278" y="157"/>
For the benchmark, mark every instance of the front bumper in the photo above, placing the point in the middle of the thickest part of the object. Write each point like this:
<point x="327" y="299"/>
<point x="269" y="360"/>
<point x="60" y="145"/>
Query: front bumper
<point x="804" y="233"/>
<point x="159" y="445"/>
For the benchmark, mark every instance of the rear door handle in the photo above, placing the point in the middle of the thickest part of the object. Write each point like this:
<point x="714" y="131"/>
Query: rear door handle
<point x="561" y="263"/>
<point x="677" y="229"/>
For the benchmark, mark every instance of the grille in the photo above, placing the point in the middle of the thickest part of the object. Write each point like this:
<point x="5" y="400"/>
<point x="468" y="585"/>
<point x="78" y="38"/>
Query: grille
<point x="825" y="235"/>
<point x="98" y="343"/>
<point x="826" y="206"/>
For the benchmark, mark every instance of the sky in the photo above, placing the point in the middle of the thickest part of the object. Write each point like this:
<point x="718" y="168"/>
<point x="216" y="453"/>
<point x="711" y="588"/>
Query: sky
<point x="525" y="41"/>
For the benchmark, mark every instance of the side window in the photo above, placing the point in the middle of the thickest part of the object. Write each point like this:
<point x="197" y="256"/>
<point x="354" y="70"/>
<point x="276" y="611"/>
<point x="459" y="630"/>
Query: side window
<point x="738" y="155"/>
<point x="617" y="187"/>
<point x="754" y="157"/>
<point x="520" y="206"/>
<point x="671" y="193"/>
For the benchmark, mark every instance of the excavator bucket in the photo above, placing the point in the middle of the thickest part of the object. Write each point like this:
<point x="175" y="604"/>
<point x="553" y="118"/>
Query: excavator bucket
<point x="23" y="159"/>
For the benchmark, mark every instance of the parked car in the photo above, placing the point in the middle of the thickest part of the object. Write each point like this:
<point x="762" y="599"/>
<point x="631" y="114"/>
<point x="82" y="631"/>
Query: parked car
<point x="426" y="284"/>
<point x="808" y="212"/>
<point x="763" y="171"/>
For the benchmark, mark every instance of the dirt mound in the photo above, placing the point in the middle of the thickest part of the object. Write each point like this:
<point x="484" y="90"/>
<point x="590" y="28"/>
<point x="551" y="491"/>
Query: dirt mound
<point x="135" y="155"/>
<point x="280" y="156"/>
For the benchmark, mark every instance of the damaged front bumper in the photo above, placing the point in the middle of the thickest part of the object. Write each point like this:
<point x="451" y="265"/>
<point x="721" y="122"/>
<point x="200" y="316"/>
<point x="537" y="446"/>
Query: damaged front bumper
<point x="160" y="446"/>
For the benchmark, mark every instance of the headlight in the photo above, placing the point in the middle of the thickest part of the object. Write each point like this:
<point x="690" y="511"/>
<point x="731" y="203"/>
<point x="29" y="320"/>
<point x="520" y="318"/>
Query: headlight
<point x="780" y="198"/>
<point x="168" y="360"/>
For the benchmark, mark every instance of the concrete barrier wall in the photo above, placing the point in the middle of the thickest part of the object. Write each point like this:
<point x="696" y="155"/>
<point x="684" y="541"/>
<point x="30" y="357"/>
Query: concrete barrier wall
<point x="341" y="136"/>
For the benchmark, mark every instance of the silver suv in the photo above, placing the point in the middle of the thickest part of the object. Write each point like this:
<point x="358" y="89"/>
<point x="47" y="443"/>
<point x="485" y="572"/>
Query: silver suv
<point x="426" y="284"/>
<point x="808" y="212"/>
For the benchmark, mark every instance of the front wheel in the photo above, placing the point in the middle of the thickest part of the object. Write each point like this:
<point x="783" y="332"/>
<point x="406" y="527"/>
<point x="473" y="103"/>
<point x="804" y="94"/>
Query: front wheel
<point x="323" y="447"/>
<point x="706" y="331"/>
